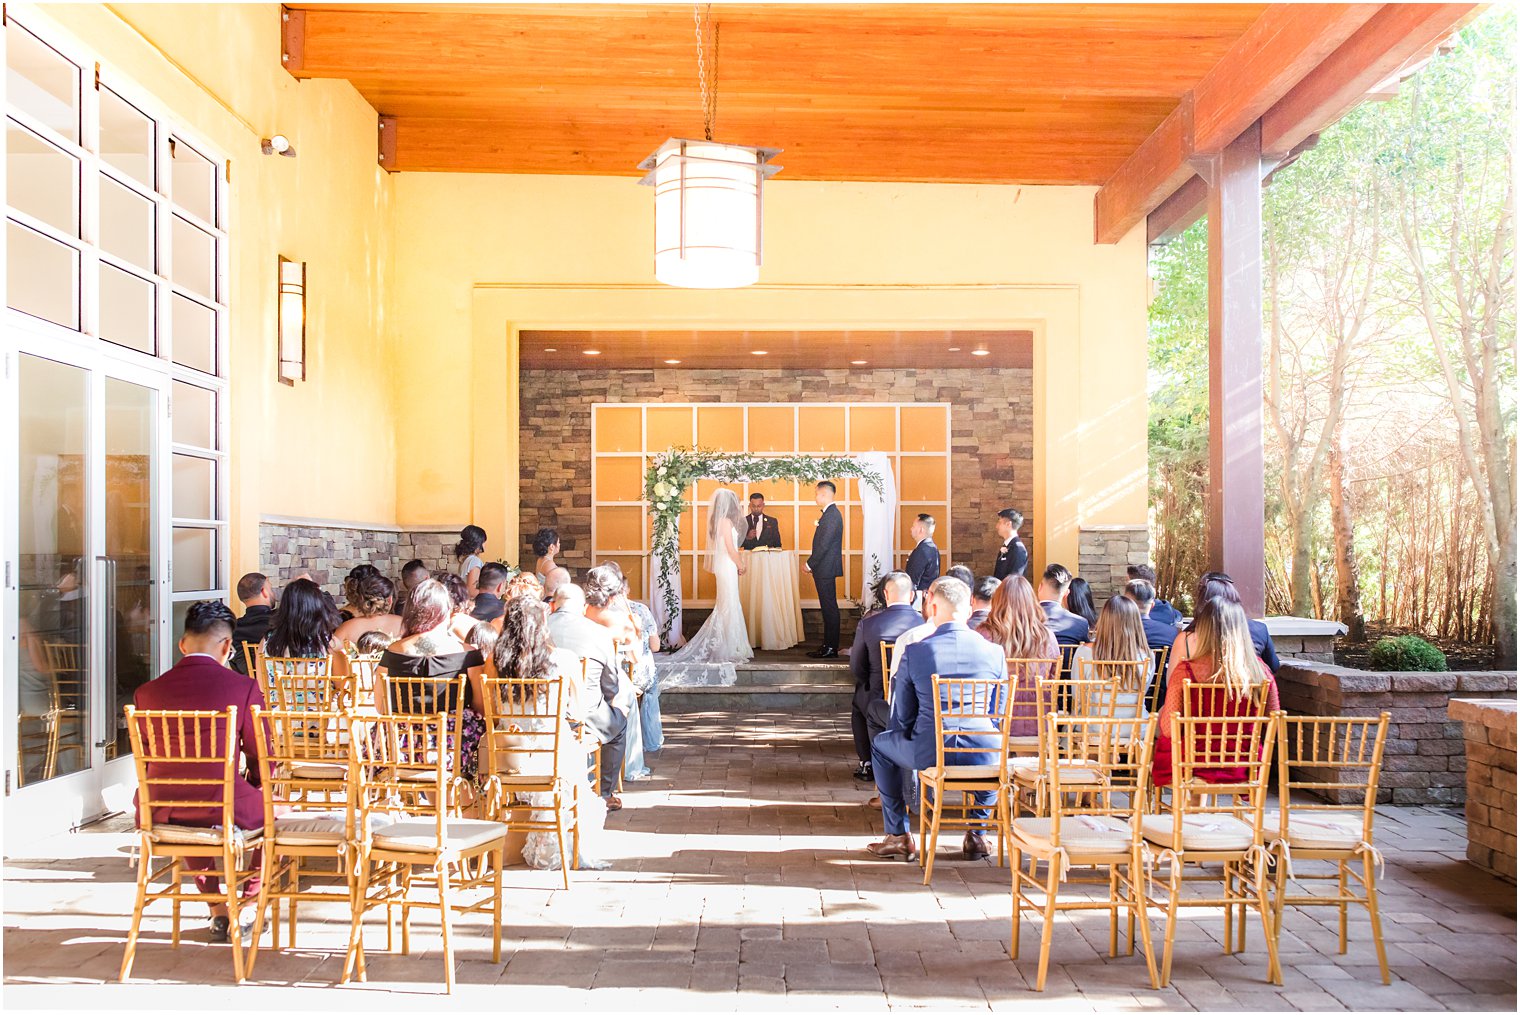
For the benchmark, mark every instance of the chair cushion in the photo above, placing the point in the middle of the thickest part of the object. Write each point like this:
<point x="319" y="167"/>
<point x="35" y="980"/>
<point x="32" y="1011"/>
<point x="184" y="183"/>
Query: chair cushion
<point x="1030" y="762"/>
<point x="1317" y="829"/>
<point x="316" y="828"/>
<point x="1080" y="834"/>
<point x="1070" y="774"/>
<point x="328" y="770"/>
<point x="965" y="773"/>
<point x="1024" y="743"/>
<point x="199" y="835"/>
<point x="1199" y="831"/>
<point x="420" y="835"/>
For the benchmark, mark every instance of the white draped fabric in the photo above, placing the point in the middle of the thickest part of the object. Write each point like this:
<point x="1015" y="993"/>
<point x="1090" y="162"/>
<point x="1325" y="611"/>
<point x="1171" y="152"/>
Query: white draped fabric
<point x="877" y="515"/>
<point x="768" y="590"/>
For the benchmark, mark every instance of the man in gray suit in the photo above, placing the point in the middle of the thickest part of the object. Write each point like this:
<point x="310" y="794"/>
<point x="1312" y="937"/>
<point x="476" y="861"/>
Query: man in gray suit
<point x="826" y="565"/>
<point x="570" y="630"/>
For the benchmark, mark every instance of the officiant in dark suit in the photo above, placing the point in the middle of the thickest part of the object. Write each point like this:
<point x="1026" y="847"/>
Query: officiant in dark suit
<point x="826" y="565"/>
<point x="760" y="529"/>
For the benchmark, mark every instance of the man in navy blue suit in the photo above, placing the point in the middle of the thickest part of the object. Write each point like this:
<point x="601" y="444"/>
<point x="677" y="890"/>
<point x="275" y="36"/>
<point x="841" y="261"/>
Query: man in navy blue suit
<point x="868" y="710"/>
<point x="923" y="563"/>
<point x="1162" y="611"/>
<point x="907" y="744"/>
<point x="1157" y="634"/>
<point x="1068" y="628"/>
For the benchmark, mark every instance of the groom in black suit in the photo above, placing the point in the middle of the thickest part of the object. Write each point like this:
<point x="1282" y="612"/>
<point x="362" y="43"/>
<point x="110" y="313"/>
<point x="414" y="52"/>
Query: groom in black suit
<point x="826" y="565"/>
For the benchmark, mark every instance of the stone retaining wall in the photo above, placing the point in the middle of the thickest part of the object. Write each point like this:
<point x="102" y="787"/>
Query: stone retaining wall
<point x="1423" y="762"/>
<point x="1103" y="554"/>
<point x="1489" y="734"/>
<point x="327" y="551"/>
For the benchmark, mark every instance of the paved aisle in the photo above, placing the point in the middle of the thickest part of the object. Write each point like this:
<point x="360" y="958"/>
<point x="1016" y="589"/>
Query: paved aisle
<point x="738" y="877"/>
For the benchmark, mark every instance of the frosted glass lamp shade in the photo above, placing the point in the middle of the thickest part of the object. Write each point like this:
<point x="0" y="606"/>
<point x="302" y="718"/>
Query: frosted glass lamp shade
<point x="707" y="212"/>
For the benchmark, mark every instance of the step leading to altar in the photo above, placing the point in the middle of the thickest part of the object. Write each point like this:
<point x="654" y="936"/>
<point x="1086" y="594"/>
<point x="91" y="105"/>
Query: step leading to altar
<point x="772" y="681"/>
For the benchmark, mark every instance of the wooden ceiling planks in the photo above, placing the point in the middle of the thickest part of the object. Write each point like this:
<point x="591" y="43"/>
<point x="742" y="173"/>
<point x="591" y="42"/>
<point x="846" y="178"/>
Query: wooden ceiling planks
<point x="952" y="92"/>
<point x="783" y="350"/>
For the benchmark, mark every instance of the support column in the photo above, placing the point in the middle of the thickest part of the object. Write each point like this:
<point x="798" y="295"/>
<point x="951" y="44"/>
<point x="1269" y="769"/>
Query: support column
<point x="1236" y="537"/>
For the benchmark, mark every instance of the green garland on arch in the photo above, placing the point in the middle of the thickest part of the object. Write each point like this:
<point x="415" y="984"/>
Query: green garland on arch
<point x="671" y="472"/>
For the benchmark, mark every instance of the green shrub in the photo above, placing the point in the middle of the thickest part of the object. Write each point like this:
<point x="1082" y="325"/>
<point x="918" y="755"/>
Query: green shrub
<point x="1407" y="652"/>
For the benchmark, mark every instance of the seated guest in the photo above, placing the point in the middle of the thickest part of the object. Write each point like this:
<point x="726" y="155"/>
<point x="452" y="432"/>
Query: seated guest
<point x="1163" y="611"/>
<point x="868" y="708"/>
<point x="571" y="630"/>
<point x="1212" y="584"/>
<point x="370" y="599"/>
<point x="202" y="681"/>
<point x="1016" y="625"/>
<point x="556" y="579"/>
<point x="1143" y="594"/>
<point x="482" y="638"/>
<point x="545" y="548"/>
<point x="523" y="584"/>
<point x="645" y="681"/>
<point x="428" y="648"/>
<point x="1119" y="636"/>
<point x="1079" y="600"/>
<point x="472" y="543"/>
<point x="413" y="573"/>
<point x="256" y="594"/>
<point x="961" y="573"/>
<point x="371" y="644"/>
<point x="459" y="595"/>
<point x="923" y="563"/>
<point x="488" y="603"/>
<point x="358" y="574"/>
<point x="981" y="600"/>
<point x="1012" y="556"/>
<point x="606" y="606"/>
<point x="1223" y="655"/>
<point x="525" y="652"/>
<point x="305" y="624"/>
<point x="908" y="743"/>
<point x="1068" y="628"/>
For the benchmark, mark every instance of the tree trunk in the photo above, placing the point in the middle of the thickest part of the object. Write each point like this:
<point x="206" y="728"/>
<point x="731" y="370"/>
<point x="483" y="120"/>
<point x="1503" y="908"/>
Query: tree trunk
<point x="1348" y="592"/>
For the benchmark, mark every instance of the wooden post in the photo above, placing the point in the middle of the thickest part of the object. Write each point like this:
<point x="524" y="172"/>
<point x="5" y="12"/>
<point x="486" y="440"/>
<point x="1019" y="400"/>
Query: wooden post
<point x="1236" y="539"/>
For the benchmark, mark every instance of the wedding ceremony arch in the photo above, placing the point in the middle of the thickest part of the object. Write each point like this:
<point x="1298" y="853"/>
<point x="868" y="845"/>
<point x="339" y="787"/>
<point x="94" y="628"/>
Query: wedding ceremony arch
<point x="671" y="473"/>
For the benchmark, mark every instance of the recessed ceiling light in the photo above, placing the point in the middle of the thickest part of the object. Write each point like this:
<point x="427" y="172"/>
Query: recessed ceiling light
<point x="591" y="352"/>
<point x="757" y="352"/>
<point x="981" y="352"/>
<point x="550" y="349"/>
<point x="672" y="362"/>
<point x="858" y="362"/>
<point x="955" y="348"/>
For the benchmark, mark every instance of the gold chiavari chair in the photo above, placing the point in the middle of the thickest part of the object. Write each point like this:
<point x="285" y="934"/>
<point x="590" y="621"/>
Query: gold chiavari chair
<point x="417" y="847"/>
<point x="972" y="706"/>
<point x="1206" y="701"/>
<point x="527" y="744"/>
<point x="1221" y="766"/>
<point x="68" y="715"/>
<point x="1340" y="758"/>
<point x="307" y="772"/>
<point x="1068" y="654"/>
<point x="251" y="650"/>
<point x="887" y="649"/>
<point x="200" y="749"/>
<point x="294" y="683"/>
<point x="1158" y="678"/>
<point x="363" y="671"/>
<point x="406" y="694"/>
<point x="1096" y="827"/>
<point x="1030" y="781"/>
<point x="1024" y="676"/>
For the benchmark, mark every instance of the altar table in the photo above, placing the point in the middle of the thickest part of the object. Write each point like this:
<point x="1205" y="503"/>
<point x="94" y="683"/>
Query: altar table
<point x="768" y="593"/>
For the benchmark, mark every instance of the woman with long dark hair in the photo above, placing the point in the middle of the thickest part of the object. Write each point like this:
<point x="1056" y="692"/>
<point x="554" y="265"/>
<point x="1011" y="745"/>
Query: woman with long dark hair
<point x="305" y="623"/>
<point x="1016" y="624"/>
<point x="472" y="543"/>
<point x="1079" y="600"/>
<point x="461" y="622"/>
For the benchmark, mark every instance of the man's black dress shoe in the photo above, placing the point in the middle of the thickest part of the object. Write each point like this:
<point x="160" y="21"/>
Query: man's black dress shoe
<point x="864" y="773"/>
<point x="220" y="926"/>
<point x="975" y="847"/>
<point x="824" y="653"/>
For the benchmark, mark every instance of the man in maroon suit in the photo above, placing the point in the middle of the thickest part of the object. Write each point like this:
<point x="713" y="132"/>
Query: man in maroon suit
<point x="202" y="681"/>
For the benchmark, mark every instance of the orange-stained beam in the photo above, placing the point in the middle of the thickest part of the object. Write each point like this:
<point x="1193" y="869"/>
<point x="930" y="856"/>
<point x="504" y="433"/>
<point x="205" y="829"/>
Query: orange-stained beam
<point x="1148" y="177"/>
<point x="293" y="39"/>
<point x="1187" y="205"/>
<point x="1394" y="37"/>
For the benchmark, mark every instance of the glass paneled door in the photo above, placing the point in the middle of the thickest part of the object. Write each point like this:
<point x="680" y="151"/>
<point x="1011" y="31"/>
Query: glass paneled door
<point x="88" y="586"/>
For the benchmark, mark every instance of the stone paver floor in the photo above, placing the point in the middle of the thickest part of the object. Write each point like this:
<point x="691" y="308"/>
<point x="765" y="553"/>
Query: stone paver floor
<point x="738" y="882"/>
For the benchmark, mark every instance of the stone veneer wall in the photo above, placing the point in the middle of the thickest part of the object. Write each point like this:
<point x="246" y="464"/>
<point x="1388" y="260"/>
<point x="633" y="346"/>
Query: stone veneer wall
<point x="1103" y="553"/>
<point x="991" y="422"/>
<point x="1489" y="733"/>
<point x="1423" y="760"/>
<point x="328" y="551"/>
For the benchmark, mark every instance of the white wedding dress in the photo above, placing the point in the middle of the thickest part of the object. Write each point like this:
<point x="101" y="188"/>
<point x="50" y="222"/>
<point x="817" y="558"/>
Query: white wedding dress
<point x="708" y="657"/>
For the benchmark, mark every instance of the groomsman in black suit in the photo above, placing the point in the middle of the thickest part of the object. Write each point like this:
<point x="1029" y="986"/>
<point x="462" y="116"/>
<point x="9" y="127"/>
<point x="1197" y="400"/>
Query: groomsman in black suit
<point x="826" y="565"/>
<point x="923" y="563"/>
<point x="760" y="529"/>
<point x="1012" y="557"/>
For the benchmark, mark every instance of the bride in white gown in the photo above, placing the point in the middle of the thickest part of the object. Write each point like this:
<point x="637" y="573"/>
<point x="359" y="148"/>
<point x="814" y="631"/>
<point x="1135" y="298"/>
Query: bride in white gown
<point x="709" y="656"/>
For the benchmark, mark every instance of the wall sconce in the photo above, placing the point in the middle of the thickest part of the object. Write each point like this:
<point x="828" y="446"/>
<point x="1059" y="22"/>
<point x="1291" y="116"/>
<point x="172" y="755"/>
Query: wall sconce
<point x="292" y="325"/>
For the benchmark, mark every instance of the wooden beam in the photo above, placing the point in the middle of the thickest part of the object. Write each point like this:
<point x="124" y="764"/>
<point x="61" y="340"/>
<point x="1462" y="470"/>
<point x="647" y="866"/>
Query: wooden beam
<point x="1187" y="205"/>
<point x="387" y="152"/>
<point x="293" y="40"/>
<point x="1236" y="503"/>
<point x="1396" y="35"/>
<point x="1274" y="54"/>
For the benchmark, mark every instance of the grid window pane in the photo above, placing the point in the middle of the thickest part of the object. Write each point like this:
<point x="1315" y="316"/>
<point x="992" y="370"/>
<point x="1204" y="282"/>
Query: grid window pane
<point x="42" y="276"/>
<point x="192" y="181"/>
<point x="40" y="82"/>
<point x="194" y="415"/>
<point x="126" y="137"/>
<point x="194" y="487"/>
<point x="194" y="334"/>
<point x="126" y="224"/>
<point x="193" y="259"/>
<point x="194" y="559"/>
<point x="127" y="309"/>
<point x="40" y="179"/>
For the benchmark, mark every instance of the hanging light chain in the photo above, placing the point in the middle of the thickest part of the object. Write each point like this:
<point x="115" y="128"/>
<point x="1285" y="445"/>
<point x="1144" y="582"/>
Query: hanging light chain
<point x="707" y="78"/>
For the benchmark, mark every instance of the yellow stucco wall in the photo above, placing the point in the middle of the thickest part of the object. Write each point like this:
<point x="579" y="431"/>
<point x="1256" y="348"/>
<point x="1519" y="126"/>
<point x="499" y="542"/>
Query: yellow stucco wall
<point x="323" y="449"/>
<point x="479" y="256"/>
